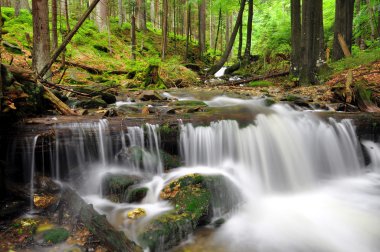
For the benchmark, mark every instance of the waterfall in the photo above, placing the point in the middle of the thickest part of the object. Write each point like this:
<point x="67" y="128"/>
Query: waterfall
<point x="280" y="153"/>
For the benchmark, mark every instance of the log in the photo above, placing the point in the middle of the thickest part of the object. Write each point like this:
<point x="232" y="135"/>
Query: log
<point x="93" y="70"/>
<point x="97" y="224"/>
<point x="235" y="83"/>
<point x="21" y="74"/>
<point x="60" y="87"/>
<point x="57" y="103"/>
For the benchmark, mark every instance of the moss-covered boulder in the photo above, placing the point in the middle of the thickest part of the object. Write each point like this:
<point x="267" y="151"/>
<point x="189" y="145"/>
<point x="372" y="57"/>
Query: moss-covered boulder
<point x="191" y="199"/>
<point x="136" y="194"/>
<point x="56" y="235"/>
<point x="92" y="103"/>
<point x="170" y="161"/>
<point x="116" y="187"/>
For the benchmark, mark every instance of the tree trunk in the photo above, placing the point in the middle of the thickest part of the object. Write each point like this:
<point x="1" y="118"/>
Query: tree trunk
<point x="218" y="29"/>
<point x="357" y="12"/>
<point x="54" y="32"/>
<point x="102" y="15"/>
<point x="202" y="27"/>
<point x="25" y="5"/>
<point x="141" y="14"/>
<point x="310" y="40"/>
<point x="371" y="19"/>
<point x="296" y="37"/>
<point x="165" y="8"/>
<point x="133" y="36"/>
<point x="121" y="12"/>
<point x="17" y="7"/>
<point x="188" y="22"/>
<point x="224" y="58"/>
<point x="152" y="13"/>
<point x="240" y="46"/>
<point x="321" y="34"/>
<point x="247" y="53"/>
<point x="41" y="35"/>
<point x="344" y="12"/>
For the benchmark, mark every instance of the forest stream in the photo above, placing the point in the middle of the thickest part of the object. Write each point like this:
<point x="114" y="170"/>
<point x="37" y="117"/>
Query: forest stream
<point x="288" y="180"/>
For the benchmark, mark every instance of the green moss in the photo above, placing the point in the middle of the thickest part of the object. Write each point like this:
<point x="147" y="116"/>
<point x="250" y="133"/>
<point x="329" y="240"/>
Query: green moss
<point x="262" y="83"/>
<point x="136" y="194"/>
<point x="56" y="235"/>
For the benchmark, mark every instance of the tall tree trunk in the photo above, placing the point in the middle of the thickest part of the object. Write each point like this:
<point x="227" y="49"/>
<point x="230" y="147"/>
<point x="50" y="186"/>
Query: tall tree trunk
<point x="344" y="12"/>
<point x="152" y="13"/>
<point x="321" y="35"/>
<point x="41" y="35"/>
<point x="310" y="40"/>
<point x="157" y="13"/>
<point x="371" y="19"/>
<point x="133" y="36"/>
<point x="25" y="5"/>
<point x="66" y="11"/>
<point x="247" y="53"/>
<point x="226" y="53"/>
<point x="202" y="27"/>
<point x="218" y="29"/>
<point x="121" y="12"/>
<point x="188" y="31"/>
<point x="54" y="31"/>
<point x="17" y="7"/>
<point x="165" y="12"/>
<point x="102" y="15"/>
<point x="296" y="37"/>
<point x="240" y="46"/>
<point x="357" y="12"/>
<point x="141" y="14"/>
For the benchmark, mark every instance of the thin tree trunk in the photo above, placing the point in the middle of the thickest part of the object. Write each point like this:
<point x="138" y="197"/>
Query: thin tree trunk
<point x="240" y="47"/>
<point x="133" y="36"/>
<point x="102" y="15"/>
<point x="165" y="8"/>
<point x="357" y="12"/>
<point x="66" y="11"/>
<point x="188" y="22"/>
<point x="296" y="37"/>
<point x="41" y="37"/>
<point x="54" y="31"/>
<point x="218" y="29"/>
<point x="202" y="27"/>
<point x="152" y="13"/>
<point x="224" y="58"/>
<point x="121" y="12"/>
<point x="175" y="25"/>
<point x="247" y="53"/>
<point x="141" y="14"/>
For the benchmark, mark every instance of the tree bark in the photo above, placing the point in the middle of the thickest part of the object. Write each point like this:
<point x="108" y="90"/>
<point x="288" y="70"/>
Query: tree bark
<point x="41" y="36"/>
<point x="371" y="19"/>
<point x="141" y="15"/>
<point x="102" y="15"/>
<point x="344" y="12"/>
<point x="17" y="7"/>
<point x="165" y="8"/>
<point x="310" y="40"/>
<point x="218" y="29"/>
<point x="133" y="36"/>
<point x="54" y="32"/>
<point x="296" y="37"/>
<point x="226" y="53"/>
<point x="202" y="27"/>
<point x="247" y="53"/>
<point x="188" y="22"/>
<point x="121" y="12"/>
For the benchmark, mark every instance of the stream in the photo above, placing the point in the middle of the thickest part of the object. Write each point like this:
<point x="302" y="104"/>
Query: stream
<point x="295" y="182"/>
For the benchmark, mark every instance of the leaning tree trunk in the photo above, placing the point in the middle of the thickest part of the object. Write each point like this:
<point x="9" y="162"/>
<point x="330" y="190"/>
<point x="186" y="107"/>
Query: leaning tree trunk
<point x="41" y="35"/>
<point x="296" y="37"/>
<point x="344" y="12"/>
<point x="226" y="53"/>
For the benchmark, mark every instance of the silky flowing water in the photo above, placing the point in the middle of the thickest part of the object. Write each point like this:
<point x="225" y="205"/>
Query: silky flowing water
<point x="302" y="183"/>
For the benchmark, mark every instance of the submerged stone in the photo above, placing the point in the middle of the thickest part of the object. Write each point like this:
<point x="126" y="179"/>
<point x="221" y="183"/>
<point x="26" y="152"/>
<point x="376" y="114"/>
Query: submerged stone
<point x="115" y="186"/>
<point x="136" y="194"/>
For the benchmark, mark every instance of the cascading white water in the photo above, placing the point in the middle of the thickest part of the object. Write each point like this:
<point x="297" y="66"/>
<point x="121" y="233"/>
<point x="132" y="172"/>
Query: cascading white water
<point x="302" y="180"/>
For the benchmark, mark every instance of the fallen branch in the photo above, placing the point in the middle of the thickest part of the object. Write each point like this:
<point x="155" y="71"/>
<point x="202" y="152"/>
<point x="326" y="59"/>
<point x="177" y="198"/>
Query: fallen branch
<point x="238" y="82"/>
<point x="57" y="103"/>
<point x="60" y="87"/>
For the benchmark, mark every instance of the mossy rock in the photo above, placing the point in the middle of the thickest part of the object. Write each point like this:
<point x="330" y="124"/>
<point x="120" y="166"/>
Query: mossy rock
<point x="191" y="199"/>
<point x="92" y="103"/>
<point x="170" y="161"/>
<point x="136" y="194"/>
<point x="115" y="186"/>
<point x="56" y="235"/>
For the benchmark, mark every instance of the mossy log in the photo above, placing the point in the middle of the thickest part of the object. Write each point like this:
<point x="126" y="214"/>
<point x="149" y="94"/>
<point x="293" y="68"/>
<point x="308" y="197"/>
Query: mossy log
<point x="97" y="224"/>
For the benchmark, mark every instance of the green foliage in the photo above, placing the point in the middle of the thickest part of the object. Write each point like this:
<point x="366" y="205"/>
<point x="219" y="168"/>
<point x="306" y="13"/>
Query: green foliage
<point x="56" y="235"/>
